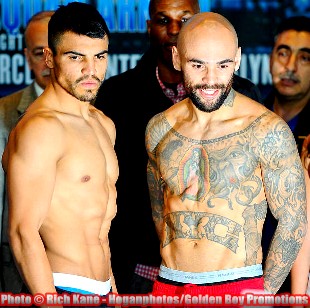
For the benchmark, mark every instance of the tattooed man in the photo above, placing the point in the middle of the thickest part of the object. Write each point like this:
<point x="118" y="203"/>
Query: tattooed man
<point x="217" y="160"/>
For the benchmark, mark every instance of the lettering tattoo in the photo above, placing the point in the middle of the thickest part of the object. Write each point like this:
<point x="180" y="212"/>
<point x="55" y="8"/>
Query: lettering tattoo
<point x="199" y="225"/>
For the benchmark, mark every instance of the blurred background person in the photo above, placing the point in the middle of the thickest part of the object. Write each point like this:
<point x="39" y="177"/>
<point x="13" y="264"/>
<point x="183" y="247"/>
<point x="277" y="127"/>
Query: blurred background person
<point x="290" y="95"/>
<point x="11" y="108"/>
<point x="290" y="71"/>
<point x="130" y="99"/>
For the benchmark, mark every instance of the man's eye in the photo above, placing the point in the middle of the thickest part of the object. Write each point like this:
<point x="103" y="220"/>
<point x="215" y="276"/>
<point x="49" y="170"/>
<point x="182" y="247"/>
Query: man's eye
<point x="100" y="57"/>
<point x="304" y="58"/>
<point x="38" y="53"/>
<point x="223" y="66"/>
<point x="162" y="21"/>
<point x="74" y="57"/>
<point x="197" y="66"/>
<point x="283" y="53"/>
<point x="185" y="19"/>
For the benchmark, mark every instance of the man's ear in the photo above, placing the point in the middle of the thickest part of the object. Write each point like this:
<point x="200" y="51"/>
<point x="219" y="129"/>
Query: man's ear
<point x="49" y="60"/>
<point x="238" y="59"/>
<point x="176" y="58"/>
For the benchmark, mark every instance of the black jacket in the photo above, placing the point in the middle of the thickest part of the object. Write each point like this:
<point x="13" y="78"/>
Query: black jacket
<point x="130" y="99"/>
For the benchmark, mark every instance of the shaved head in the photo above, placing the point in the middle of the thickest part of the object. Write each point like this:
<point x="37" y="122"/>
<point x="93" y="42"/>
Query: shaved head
<point x="207" y="23"/>
<point x="207" y="53"/>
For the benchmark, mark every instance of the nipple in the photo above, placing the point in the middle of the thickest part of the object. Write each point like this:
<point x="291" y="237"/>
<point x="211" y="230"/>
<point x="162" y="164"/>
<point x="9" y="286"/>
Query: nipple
<point x="85" y="178"/>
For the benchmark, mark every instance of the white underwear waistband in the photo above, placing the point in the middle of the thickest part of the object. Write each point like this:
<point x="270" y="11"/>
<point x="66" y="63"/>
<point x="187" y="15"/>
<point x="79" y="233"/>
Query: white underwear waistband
<point x="210" y="277"/>
<point x="80" y="284"/>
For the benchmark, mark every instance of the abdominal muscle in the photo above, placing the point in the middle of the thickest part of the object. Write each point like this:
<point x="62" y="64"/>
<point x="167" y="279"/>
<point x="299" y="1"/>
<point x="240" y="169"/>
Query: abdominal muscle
<point x="199" y="256"/>
<point x="72" y="242"/>
<point x="202" y="241"/>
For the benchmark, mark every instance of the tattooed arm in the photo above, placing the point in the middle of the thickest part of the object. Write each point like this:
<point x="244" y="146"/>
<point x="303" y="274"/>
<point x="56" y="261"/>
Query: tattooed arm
<point x="152" y="138"/>
<point x="156" y="195"/>
<point x="285" y="190"/>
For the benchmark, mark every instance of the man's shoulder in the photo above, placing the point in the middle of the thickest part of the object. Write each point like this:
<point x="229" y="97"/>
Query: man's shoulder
<point x="37" y="123"/>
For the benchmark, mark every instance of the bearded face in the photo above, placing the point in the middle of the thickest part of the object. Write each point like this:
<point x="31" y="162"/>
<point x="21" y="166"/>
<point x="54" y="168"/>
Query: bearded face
<point x="208" y="97"/>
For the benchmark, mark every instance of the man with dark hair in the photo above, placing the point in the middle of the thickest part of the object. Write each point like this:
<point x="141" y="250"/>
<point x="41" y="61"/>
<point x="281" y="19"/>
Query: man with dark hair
<point x="130" y="100"/>
<point x="61" y="165"/>
<point x="290" y="71"/>
<point x="290" y="94"/>
<point x="11" y="108"/>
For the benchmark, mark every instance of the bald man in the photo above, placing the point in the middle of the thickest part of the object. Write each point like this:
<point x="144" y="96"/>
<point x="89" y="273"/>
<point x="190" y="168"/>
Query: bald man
<point x="214" y="167"/>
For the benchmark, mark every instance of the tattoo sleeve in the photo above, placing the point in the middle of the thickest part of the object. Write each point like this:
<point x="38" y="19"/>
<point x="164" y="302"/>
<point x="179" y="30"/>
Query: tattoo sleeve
<point x="155" y="182"/>
<point x="285" y="191"/>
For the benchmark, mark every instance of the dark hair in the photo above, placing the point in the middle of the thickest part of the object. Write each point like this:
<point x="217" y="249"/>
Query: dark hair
<point x="297" y="23"/>
<point x="76" y="17"/>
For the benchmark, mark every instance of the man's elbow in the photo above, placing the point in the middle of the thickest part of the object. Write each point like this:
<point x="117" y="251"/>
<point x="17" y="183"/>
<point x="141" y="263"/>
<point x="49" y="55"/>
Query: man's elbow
<point x="20" y="238"/>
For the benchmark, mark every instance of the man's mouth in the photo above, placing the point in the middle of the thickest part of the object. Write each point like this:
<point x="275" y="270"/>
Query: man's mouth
<point x="46" y="73"/>
<point x="210" y="93"/>
<point x="288" y="82"/>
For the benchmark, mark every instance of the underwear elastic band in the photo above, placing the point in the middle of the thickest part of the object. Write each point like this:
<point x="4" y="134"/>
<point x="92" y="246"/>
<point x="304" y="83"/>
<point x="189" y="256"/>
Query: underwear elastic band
<point x="80" y="284"/>
<point x="209" y="277"/>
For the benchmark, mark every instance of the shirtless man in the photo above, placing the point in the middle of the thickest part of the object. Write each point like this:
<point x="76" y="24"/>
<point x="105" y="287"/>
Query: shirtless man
<point x="62" y="167"/>
<point x="210" y="221"/>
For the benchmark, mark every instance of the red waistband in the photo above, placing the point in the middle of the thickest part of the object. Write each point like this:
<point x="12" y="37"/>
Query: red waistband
<point x="234" y="287"/>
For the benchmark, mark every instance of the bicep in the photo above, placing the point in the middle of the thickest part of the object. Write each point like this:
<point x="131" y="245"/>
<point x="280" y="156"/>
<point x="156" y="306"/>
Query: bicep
<point x="284" y="181"/>
<point x="31" y="174"/>
<point x="30" y="188"/>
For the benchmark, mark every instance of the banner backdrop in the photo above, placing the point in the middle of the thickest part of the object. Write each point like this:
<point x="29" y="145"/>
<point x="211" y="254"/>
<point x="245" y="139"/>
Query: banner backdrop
<point x="254" y="20"/>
